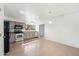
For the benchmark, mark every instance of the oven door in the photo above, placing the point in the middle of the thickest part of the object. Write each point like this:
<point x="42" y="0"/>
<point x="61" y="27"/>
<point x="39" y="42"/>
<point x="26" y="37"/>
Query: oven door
<point x="19" y="36"/>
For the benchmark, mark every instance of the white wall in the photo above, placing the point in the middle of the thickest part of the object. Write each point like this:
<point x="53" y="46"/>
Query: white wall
<point x="1" y="30"/>
<point x="64" y="29"/>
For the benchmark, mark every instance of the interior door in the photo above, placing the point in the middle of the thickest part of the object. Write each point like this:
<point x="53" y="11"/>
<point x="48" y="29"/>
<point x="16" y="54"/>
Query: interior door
<point x="41" y="30"/>
<point x="6" y="36"/>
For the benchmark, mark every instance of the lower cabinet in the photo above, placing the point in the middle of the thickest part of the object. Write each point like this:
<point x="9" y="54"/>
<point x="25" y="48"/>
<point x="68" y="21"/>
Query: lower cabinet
<point x="12" y="37"/>
<point x="30" y="34"/>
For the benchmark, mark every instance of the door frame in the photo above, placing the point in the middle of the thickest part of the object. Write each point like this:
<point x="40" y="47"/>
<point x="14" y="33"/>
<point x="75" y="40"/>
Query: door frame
<point x="1" y="29"/>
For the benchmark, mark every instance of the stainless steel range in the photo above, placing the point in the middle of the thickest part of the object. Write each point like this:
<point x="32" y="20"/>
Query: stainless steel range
<point x="19" y="36"/>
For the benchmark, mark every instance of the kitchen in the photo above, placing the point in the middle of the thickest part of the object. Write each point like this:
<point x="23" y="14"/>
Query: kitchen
<point x="19" y="31"/>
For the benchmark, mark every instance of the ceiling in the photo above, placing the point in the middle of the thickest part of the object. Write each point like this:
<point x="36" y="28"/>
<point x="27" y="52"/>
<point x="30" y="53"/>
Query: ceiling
<point x="42" y="11"/>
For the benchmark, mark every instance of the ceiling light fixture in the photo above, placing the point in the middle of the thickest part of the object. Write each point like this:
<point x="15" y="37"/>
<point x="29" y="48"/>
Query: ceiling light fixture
<point x="50" y="22"/>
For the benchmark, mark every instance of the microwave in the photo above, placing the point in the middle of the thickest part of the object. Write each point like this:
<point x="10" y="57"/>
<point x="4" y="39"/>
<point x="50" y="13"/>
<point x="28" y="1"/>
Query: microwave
<point x="18" y="27"/>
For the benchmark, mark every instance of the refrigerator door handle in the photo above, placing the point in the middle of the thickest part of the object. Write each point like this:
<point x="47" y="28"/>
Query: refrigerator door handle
<point x="4" y="36"/>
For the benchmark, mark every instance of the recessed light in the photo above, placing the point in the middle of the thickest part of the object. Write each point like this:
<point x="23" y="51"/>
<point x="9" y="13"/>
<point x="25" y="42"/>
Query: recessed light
<point x="50" y="22"/>
<point x="22" y="12"/>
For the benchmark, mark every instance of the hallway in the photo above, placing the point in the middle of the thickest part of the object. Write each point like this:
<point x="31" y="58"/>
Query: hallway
<point x="41" y="47"/>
